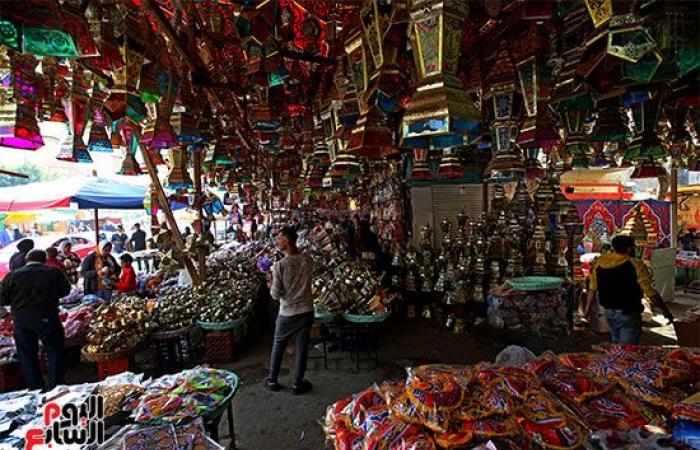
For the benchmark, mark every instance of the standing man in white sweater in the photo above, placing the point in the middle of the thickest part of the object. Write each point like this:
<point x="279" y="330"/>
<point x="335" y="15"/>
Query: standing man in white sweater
<point x="291" y="285"/>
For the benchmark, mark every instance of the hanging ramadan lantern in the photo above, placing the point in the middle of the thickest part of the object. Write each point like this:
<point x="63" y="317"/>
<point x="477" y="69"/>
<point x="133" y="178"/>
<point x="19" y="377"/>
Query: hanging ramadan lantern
<point x="178" y="177"/>
<point x="129" y="164"/>
<point x="439" y="114"/>
<point x="163" y="136"/>
<point x="74" y="148"/>
<point x="370" y="137"/>
<point x="385" y="25"/>
<point x="622" y="52"/>
<point x="500" y="95"/>
<point x="610" y="124"/>
<point x="126" y="78"/>
<point x="535" y="78"/>
<point x="98" y="140"/>
<point x="646" y="146"/>
<point x="18" y="125"/>
<point x="420" y="171"/>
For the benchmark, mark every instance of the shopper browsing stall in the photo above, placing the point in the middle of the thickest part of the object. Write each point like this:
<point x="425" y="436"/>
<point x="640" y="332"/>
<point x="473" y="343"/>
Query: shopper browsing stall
<point x="127" y="279"/>
<point x="100" y="271"/>
<point x="138" y="239"/>
<point x="119" y="240"/>
<point x="70" y="261"/>
<point x="17" y="260"/>
<point x="33" y="292"/>
<point x="52" y="259"/>
<point x="620" y="282"/>
<point x="291" y="285"/>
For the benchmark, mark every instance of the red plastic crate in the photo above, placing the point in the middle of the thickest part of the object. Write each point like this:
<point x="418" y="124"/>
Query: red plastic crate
<point x="218" y="347"/>
<point x="11" y="378"/>
<point x="112" y="367"/>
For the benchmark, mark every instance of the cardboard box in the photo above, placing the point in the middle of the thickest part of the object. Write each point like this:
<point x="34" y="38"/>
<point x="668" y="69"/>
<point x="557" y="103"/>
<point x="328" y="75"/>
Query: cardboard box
<point x="688" y="333"/>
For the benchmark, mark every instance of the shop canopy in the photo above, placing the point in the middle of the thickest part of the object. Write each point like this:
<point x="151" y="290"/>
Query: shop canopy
<point x="87" y="193"/>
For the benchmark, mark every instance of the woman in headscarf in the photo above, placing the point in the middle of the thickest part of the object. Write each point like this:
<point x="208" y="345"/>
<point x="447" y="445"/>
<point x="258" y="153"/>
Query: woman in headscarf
<point x="100" y="271"/>
<point x="70" y="260"/>
<point x="18" y="259"/>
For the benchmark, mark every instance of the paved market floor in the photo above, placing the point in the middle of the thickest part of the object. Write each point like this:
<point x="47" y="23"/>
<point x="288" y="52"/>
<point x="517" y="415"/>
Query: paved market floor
<point x="268" y="421"/>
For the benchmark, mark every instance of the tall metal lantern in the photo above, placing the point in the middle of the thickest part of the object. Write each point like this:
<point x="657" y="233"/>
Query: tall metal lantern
<point x="125" y="79"/>
<point x="500" y="95"/>
<point x="98" y="140"/>
<point x="439" y="114"/>
<point x="535" y="77"/>
<point x="622" y="52"/>
<point x="74" y="148"/>
<point x="646" y="146"/>
<point x="19" y="127"/>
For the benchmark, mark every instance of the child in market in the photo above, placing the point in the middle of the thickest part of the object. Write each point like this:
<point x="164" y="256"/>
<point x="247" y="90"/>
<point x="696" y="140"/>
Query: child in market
<point x="127" y="279"/>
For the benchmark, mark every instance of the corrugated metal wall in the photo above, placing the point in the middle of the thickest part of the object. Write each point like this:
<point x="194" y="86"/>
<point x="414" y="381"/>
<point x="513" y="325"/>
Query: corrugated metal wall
<point x="433" y="204"/>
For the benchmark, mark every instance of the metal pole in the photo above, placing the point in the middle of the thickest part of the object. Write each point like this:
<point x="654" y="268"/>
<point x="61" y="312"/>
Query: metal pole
<point x="201" y="255"/>
<point x="97" y="228"/>
<point x="674" y="205"/>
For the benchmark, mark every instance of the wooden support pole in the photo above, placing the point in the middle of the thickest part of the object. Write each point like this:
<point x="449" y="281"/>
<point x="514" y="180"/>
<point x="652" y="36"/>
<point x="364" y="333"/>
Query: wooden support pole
<point x="169" y="217"/>
<point x="201" y="255"/>
<point x="97" y="229"/>
<point x="674" y="205"/>
<point x="13" y="174"/>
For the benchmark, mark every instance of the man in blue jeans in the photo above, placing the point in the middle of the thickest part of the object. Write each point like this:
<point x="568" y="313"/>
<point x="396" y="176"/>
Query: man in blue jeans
<point x="291" y="285"/>
<point x="620" y="281"/>
<point x="33" y="292"/>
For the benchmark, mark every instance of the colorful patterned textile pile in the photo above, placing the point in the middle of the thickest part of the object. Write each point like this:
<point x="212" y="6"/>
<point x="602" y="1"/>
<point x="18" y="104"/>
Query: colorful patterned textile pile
<point x="540" y="312"/>
<point x="568" y="401"/>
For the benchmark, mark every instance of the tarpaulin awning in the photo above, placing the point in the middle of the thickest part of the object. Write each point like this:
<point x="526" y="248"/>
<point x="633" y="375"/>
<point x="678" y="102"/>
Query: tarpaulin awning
<point x="87" y="193"/>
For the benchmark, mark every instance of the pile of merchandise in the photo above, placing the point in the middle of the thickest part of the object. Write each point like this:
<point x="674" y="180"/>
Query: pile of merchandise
<point x="542" y="312"/>
<point x="230" y="291"/>
<point x="119" y="327"/>
<point x="167" y="412"/>
<point x="610" y="399"/>
<point x="75" y="323"/>
<point x="177" y="308"/>
<point x="349" y="288"/>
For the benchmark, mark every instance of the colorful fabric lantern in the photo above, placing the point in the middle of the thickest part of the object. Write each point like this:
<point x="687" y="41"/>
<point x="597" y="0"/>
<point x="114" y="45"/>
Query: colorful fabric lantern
<point x="18" y="124"/>
<point x="178" y="177"/>
<point x="48" y="42"/>
<point x="98" y="140"/>
<point x="420" y="171"/>
<point x="129" y="164"/>
<point x="74" y="148"/>
<point x="125" y="79"/>
<point x="371" y="138"/>
<point x="439" y="114"/>
<point x="450" y="166"/>
<point x="623" y="52"/>
<point x="344" y="170"/>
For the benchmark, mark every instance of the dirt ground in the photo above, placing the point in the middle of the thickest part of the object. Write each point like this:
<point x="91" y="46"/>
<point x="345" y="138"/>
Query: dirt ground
<point x="269" y="421"/>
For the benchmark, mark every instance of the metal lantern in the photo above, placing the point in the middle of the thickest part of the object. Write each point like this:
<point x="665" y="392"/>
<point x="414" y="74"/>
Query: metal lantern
<point x="99" y="141"/>
<point x="507" y="163"/>
<point x="600" y="11"/>
<point x="19" y="127"/>
<point x="646" y="146"/>
<point x="371" y="138"/>
<point x="439" y="114"/>
<point x="420" y="170"/>
<point x="178" y="177"/>
<point x="450" y="165"/>
<point x="624" y="52"/>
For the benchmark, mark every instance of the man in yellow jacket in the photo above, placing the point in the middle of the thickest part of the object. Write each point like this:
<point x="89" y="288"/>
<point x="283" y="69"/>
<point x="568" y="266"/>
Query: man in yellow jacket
<point x="620" y="281"/>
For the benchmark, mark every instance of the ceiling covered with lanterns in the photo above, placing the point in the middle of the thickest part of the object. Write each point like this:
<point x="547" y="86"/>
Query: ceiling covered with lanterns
<point x="307" y="93"/>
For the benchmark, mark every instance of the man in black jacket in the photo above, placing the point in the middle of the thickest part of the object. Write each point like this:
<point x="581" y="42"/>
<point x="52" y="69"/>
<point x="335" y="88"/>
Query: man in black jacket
<point x="33" y="292"/>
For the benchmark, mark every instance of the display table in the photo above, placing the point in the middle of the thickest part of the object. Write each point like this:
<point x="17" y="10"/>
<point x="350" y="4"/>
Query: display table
<point x="538" y="312"/>
<point x="688" y="271"/>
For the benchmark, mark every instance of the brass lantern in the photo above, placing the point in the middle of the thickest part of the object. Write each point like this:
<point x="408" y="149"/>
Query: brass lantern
<point x="507" y="163"/>
<point x="439" y="114"/>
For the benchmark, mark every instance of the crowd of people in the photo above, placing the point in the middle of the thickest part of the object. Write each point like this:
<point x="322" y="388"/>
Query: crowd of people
<point x="39" y="278"/>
